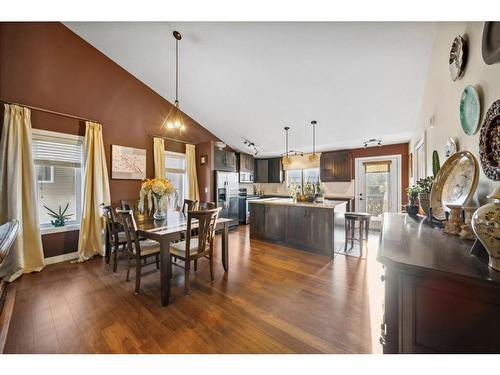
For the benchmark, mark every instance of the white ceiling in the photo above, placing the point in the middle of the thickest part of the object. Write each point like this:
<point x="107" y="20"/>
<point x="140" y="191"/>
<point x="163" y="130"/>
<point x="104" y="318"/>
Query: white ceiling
<point x="249" y="80"/>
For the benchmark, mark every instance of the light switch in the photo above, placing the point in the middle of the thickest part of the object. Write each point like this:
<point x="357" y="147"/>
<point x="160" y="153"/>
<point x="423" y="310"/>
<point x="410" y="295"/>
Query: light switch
<point x="206" y="190"/>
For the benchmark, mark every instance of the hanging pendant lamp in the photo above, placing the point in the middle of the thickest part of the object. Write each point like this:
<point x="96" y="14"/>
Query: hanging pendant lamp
<point x="314" y="156"/>
<point x="285" y="160"/>
<point x="174" y="119"/>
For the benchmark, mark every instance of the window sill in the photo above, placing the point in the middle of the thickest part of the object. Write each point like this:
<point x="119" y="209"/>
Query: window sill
<point x="66" y="228"/>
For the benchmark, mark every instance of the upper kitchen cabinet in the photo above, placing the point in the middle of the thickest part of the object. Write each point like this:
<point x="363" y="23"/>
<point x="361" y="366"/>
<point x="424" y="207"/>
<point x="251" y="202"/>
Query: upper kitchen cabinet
<point x="268" y="170"/>
<point x="261" y="170"/>
<point x="246" y="163"/>
<point x="275" y="170"/>
<point x="336" y="166"/>
<point x="224" y="160"/>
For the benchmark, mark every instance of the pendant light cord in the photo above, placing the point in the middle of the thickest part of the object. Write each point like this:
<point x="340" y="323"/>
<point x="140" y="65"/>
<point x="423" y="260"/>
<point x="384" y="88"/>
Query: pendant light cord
<point x="176" y="70"/>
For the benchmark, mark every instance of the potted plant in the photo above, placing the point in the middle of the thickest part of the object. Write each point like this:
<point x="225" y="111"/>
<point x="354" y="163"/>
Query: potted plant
<point x="424" y="190"/>
<point x="412" y="207"/>
<point x="60" y="217"/>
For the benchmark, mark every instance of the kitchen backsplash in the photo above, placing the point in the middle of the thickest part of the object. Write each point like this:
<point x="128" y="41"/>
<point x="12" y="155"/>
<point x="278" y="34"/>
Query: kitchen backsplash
<point x="340" y="189"/>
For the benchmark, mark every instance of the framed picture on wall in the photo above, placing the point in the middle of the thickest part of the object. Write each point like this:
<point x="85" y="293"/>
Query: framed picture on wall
<point x="128" y="163"/>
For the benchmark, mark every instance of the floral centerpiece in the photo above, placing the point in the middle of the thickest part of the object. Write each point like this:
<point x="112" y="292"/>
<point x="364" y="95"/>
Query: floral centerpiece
<point x="157" y="189"/>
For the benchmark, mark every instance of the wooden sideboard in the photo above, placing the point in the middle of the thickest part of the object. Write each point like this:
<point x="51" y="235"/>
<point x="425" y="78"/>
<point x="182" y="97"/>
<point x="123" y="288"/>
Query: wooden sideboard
<point x="438" y="297"/>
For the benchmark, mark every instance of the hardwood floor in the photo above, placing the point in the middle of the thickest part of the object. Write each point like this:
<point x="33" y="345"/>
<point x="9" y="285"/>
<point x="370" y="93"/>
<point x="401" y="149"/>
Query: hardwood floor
<point x="273" y="300"/>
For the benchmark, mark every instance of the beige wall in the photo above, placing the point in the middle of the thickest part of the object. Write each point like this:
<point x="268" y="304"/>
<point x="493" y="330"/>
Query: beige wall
<point x="442" y="96"/>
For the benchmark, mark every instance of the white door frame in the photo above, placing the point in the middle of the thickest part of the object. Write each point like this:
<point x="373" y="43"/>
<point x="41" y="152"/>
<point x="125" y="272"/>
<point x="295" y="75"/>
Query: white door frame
<point x="375" y="158"/>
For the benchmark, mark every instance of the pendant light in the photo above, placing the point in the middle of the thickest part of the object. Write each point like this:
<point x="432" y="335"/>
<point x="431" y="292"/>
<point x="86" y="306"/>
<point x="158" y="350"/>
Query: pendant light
<point x="285" y="160"/>
<point x="314" y="156"/>
<point x="174" y="118"/>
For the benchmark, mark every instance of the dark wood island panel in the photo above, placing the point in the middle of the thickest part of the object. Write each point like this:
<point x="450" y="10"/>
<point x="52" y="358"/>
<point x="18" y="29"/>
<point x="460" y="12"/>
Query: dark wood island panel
<point x="307" y="227"/>
<point x="438" y="297"/>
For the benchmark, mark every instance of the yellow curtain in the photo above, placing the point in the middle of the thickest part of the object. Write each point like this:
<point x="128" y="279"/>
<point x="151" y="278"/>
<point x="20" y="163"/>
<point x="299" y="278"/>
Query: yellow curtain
<point x="96" y="191"/>
<point x="192" y="177"/>
<point x="159" y="157"/>
<point x="18" y="193"/>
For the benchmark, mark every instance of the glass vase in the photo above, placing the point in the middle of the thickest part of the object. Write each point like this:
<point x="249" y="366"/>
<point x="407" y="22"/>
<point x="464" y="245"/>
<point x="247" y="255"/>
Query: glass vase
<point x="160" y="211"/>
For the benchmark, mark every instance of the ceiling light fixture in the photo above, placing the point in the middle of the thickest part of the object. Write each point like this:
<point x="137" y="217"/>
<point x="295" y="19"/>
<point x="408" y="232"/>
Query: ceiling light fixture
<point x="314" y="157"/>
<point x="378" y="141"/>
<point x="285" y="160"/>
<point x="174" y="118"/>
<point x="251" y="145"/>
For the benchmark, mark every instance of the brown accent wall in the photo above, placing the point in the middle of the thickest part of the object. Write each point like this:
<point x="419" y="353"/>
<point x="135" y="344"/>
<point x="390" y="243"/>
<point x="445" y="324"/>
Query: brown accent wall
<point x="396" y="149"/>
<point x="46" y="65"/>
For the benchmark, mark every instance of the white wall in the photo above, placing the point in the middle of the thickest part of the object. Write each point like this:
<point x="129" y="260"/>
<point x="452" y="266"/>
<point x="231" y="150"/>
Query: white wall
<point x="442" y="96"/>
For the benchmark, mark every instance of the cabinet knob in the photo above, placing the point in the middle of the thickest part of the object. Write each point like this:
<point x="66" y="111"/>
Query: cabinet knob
<point x="382" y="341"/>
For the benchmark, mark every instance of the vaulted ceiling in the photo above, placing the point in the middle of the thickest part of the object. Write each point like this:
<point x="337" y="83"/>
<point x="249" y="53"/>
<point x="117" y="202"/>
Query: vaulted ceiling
<point x="249" y="80"/>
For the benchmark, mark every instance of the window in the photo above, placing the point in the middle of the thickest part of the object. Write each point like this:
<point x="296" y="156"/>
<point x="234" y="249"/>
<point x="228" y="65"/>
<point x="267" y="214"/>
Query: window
<point x="58" y="168"/>
<point x="45" y="174"/>
<point x="175" y="171"/>
<point x="300" y="177"/>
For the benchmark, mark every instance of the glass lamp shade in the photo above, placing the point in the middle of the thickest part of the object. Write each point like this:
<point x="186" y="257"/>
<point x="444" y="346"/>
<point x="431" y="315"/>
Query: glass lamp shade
<point x="313" y="158"/>
<point x="174" y="118"/>
<point x="285" y="160"/>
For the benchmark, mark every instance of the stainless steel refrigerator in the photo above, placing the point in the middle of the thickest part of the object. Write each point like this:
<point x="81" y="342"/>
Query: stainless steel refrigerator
<point x="226" y="195"/>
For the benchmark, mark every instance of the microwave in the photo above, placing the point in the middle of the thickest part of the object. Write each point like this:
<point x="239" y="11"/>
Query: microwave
<point x="246" y="177"/>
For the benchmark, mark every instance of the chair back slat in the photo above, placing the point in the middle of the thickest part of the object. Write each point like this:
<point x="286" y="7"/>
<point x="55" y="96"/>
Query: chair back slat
<point x="207" y="205"/>
<point x="207" y="219"/>
<point x="130" y="228"/>
<point x="111" y="224"/>
<point x="128" y="205"/>
<point x="188" y="205"/>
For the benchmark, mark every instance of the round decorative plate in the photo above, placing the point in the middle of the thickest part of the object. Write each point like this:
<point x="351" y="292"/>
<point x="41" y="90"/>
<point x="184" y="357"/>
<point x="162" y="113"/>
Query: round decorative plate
<point x="489" y="143"/>
<point x="451" y="147"/>
<point x="470" y="110"/>
<point x="491" y="42"/>
<point x="455" y="183"/>
<point x="458" y="57"/>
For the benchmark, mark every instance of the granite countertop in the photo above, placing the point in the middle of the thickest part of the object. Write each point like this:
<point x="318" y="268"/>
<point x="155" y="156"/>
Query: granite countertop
<point x="326" y="196"/>
<point x="289" y="202"/>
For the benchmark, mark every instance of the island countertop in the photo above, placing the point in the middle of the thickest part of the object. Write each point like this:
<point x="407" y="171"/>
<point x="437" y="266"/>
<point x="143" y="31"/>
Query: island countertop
<point x="289" y="202"/>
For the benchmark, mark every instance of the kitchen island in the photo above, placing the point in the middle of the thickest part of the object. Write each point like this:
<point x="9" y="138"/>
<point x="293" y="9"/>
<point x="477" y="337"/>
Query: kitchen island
<point x="306" y="226"/>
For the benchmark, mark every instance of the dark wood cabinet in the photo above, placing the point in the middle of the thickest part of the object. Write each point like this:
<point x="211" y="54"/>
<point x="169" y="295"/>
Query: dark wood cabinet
<point x="275" y="171"/>
<point x="268" y="170"/>
<point x="438" y="297"/>
<point x="336" y="166"/>
<point x="246" y="163"/>
<point x="302" y="227"/>
<point x="224" y="160"/>
<point x="261" y="170"/>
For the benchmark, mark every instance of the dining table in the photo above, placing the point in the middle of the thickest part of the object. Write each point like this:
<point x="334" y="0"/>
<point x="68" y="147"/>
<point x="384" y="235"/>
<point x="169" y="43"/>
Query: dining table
<point x="165" y="231"/>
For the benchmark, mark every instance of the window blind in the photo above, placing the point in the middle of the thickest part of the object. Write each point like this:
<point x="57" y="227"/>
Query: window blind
<point x="377" y="166"/>
<point x="49" y="150"/>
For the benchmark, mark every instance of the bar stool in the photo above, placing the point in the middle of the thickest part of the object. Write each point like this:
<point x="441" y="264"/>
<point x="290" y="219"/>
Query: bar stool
<point x="364" y="225"/>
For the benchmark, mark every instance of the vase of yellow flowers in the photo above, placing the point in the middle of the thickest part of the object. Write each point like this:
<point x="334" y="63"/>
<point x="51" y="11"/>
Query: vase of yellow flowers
<point x="157" y="190"/>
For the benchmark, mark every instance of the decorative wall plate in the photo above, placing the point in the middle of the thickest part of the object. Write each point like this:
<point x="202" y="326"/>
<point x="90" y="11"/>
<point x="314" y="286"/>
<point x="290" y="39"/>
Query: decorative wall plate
<point x="470" y="110"/>
<point x="451" y="146"/>
<point x="491" y="42"/>
<point x="489" y="143"/>
<point x="458" y="57"/>
<point x="455" y="183"/>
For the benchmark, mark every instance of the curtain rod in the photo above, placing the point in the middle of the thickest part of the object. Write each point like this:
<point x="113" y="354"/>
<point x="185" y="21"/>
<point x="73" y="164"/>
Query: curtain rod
<point x="50" y="111"/>
<point x="170" y="139"/>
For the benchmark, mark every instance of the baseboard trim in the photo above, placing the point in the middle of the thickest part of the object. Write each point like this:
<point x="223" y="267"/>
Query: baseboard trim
<point x="61" y="258"/>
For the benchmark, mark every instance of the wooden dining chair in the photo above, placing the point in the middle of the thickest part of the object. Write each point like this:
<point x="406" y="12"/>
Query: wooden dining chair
<point x="137" y="250"/>
<point x="188" y="205"/>
<point x="199" y="246"/>
<point x="128" y="205"/>
<point x="207" y="205"/>
<point x="116" y="236"/>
